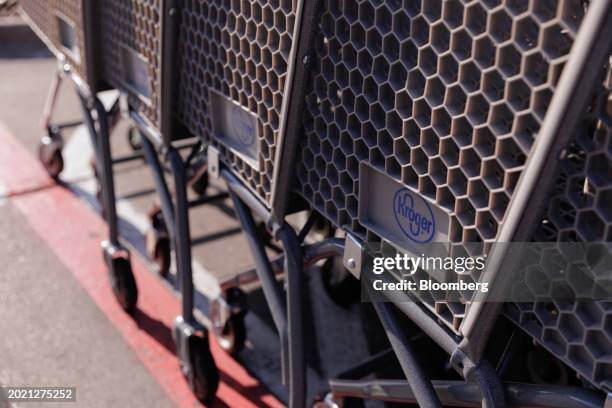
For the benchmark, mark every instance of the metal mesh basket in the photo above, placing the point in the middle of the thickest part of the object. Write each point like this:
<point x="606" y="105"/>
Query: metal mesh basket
<point x="130" y="46"/>
<point x="445" y="99"/>
<point x="61" y="25"/>
<point x="234" y="57"/>
<point x="579" y="210"/>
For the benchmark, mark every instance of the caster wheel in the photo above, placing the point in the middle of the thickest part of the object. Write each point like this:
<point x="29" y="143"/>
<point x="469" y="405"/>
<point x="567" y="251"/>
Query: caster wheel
<point x="341" y="287"/>
<point x="203" y="374"/>
<point x="158" y="242"/>
<point x="199" y="184"/>
<point x="158" y="250"/>
<point x="232" y="336"/>
<point x="134" y="139"/>
<point x="122" y="280"/>
<point x="50" y="155"/>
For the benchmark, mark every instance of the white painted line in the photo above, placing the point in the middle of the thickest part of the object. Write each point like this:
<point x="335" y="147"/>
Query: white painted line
<point x="3" y="196"/>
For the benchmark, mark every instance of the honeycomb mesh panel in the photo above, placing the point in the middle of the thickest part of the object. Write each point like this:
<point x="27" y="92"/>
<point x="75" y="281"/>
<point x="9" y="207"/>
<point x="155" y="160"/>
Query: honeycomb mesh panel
<point x="579" y="210"/>
<point x="44" y="15"/>
<point x="39" y="12"/>
<point x="8" y="9"/>
<point x="132" y="25"/>
<point x="445" y="97"/>
<point x="241" y="50"/>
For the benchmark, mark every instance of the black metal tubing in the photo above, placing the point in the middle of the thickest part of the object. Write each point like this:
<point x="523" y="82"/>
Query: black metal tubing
<point x="146" y="129"/>
<point x="208" y="199"/>
<point x="236" y="187"/>
<point x="93" y="133"/>
<point x="479" y="372"/>
<point x="458" y="393"/>
<point x="424" y="320"/>
<point x="295" y="311"/>
<point x="167" y="85"/>
<point x="66" y="125"/>
<point x="306" y="27"/>
<point x="182" y="239"/>
<point x="313" y="253"/>
<point x="423" y="390"/>
<point x="101" y="141"/>
<point x="167" y="206"/>
<point x="288" y="317"/>
<point x="128" y="158"/>
<point x="482" y="374"/>
<point x="104" y="165"/>
<point x="271" y="287"/>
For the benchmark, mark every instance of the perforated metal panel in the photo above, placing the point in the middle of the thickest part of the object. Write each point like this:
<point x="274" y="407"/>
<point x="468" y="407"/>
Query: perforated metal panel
<point x="239" y="50"/>
<point x="445" y="97"/>
<point x="130" y="43"/>
<point x="60" y="23"/>
<point x="9" y="8"/>
<point x="579" y="210"/>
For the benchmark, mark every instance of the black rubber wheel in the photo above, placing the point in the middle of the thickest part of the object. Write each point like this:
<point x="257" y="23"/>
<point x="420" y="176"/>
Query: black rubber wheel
<point x="156" y="218"/>
<point x="203" y="375"/>
<point x="158" y="242"/>
<point x="200" y="184"/>
<point x="233" y="335"/>
<point x="161" y="255"/>
<point x="124" y="284"/>
<point x="341" y="287"/>
<point x="134" y="139"/>
<point x="50" y="155"/>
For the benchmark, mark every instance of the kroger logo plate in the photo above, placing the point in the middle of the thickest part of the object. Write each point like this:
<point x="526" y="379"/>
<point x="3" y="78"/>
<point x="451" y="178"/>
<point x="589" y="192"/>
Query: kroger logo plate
<point x="234" y="126"/>
<point x="400" y="214"/>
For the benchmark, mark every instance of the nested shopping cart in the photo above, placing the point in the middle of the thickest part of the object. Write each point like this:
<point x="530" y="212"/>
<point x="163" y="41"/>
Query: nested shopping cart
<point x="118" y="45"/>
<point x="138" y="42"/>
<point x="66" y="27"/>
<point x="237" y="63"/>
<point x="490" y="119"/>
<point x="441" y="99"/>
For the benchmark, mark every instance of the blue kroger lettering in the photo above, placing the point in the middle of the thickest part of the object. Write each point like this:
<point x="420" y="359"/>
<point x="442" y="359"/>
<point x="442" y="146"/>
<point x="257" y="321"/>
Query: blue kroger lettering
<point x="418" y="224"/>
<point x="243" y="126"/>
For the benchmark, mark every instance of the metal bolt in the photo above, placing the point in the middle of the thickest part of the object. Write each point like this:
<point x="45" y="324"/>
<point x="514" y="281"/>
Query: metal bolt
<point x="351" y="264"/>
<point x="305" y="60"/>
<point x="172" y="11"/>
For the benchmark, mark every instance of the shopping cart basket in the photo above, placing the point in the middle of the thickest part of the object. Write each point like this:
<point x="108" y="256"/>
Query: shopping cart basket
<point x="61" y="26"/>
<point x="237" y="62"/>
<point x="464" y="108"/>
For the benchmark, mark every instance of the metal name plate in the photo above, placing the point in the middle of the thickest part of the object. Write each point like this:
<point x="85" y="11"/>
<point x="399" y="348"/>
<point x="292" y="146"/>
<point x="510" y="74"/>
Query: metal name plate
<point x="136" y="72"/>
<point x="234" y="126"/>
<point x="68" y="37"/>
<point x="400" y="214"/>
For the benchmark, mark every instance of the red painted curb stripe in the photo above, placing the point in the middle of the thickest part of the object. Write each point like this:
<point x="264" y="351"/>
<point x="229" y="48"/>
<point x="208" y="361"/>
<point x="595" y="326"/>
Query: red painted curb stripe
<point x="73" y="231"/>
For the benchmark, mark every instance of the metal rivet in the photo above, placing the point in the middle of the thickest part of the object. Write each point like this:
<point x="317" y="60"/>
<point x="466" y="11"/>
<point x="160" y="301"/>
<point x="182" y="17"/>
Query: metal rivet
<point x="351" y="264"/>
